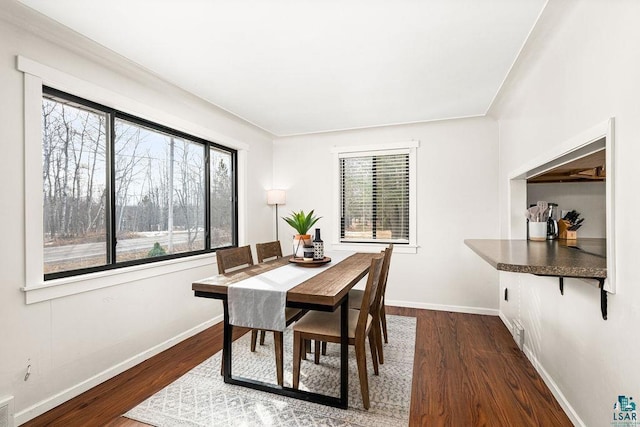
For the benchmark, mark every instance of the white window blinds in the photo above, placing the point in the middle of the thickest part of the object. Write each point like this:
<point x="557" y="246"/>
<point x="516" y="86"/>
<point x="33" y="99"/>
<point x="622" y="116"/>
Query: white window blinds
<point x="374" y="197"/>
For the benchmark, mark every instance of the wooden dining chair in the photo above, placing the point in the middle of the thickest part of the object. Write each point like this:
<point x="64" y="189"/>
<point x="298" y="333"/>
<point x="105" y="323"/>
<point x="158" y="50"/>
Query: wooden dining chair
<point x="325" y="326"/>
<point x="268" y="250"/>
<point x="229" y="259"/>
<point x="380" y="316"/>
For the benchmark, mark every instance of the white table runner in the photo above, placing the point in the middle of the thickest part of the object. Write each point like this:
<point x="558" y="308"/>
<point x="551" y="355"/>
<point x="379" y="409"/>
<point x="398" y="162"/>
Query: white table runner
<point x="259" y="302"/>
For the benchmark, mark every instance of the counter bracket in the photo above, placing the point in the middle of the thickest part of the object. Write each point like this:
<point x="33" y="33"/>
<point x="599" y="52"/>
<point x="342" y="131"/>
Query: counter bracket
<point x="561" y="285"/>
<point x="603" y="299"/>
<point x="551" y="260"/>
<point x="603" y="292"/>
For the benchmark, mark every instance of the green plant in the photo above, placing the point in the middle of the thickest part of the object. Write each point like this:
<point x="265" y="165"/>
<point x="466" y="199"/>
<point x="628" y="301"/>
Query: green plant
<point x="157" y="250"/>
<point x="301" y="222"/>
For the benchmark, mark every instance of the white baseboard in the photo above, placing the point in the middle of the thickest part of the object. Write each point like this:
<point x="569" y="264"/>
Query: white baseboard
<point x="506" y="321"/>
<point x="548" y="380"/>
<point x="442" y="307"/>
<point x="57" y="399"/>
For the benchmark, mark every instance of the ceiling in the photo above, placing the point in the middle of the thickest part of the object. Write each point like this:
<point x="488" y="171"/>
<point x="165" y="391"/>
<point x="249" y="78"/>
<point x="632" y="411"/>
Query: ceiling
<point x="302" y="66"/>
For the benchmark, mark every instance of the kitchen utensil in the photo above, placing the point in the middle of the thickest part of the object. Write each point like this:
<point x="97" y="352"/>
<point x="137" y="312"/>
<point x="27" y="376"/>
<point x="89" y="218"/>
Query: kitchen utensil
<point x="542" y="208"/>
<point x="572" y="216"/>
<point x="575" y="226"/>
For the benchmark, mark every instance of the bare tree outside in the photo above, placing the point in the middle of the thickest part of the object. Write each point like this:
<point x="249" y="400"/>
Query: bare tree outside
<point x="159" y="195"/>
<point x="159" y="192"/>
<point x="221" y="198"/>
<point x="74" y="183"/>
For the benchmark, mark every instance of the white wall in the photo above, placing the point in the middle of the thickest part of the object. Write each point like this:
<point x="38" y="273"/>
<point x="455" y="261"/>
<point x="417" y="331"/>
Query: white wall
<point x="588" y="198"/>
<point x="75" y="341"/>
<point x="580" y="68"/>
<point x="457" y="199"/>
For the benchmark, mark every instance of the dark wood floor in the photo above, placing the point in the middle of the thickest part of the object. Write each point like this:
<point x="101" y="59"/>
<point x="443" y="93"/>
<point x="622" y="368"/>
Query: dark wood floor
<point x="467" y="372"/>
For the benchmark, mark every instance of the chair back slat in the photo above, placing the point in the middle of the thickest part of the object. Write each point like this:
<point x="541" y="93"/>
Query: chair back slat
<point x="370" y="289"/>
<point x="233" y="257"/>
<point x="268" y="250"/>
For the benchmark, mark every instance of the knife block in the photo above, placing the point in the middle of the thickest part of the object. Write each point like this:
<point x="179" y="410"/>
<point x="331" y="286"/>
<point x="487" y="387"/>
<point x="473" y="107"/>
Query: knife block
<point x="564" y="232"/>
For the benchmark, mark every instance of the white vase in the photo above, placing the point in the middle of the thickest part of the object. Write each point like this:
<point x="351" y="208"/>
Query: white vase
<point x="298" y="244"/>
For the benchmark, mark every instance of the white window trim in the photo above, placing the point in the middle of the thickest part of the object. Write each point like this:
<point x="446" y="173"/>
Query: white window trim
<point x="36" y="289"/>
<point x="409" y="147"/>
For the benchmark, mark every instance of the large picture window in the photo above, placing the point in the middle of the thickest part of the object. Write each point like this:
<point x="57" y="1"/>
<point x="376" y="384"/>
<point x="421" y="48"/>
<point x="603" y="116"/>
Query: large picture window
<point x="375" y="197"/>
<point x="119" y="190"/>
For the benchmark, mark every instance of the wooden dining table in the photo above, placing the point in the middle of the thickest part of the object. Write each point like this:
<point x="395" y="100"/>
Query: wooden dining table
<point x="326" y="291"/>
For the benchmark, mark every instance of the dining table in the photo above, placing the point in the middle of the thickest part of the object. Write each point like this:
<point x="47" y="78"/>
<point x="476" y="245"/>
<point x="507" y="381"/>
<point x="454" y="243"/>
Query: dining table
<point x="326" y="291"/>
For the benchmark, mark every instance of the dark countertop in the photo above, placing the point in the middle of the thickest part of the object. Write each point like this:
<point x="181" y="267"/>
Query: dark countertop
<point x="562" y="258"/>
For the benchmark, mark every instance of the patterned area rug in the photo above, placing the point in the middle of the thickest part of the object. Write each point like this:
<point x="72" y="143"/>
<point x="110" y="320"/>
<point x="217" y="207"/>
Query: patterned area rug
<point x="201" y="398"/>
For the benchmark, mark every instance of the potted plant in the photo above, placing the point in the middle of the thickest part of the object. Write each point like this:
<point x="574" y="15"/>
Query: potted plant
<point x="302" y="223"/>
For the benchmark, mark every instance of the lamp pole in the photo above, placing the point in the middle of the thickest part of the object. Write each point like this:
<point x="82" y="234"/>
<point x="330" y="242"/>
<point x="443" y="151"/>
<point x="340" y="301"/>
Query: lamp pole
<point x="276" y="197"/>
<point x="277" y="236"/>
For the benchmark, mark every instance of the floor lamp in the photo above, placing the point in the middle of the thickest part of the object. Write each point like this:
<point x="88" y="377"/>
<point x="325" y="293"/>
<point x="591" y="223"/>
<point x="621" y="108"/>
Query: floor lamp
<point x="276" y="197"/>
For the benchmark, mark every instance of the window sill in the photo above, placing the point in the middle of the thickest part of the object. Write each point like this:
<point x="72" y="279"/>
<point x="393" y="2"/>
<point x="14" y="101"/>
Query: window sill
<point x="374" y="247"/>
<point x="67" y="286"/>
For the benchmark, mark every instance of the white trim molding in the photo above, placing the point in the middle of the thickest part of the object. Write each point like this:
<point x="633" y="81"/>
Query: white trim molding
<point x="600" y="136"/>
<point x="444" y="307"/>
<point x="57" y="399"/>
<point x="35" y="288"/>
<point x="67" y="83"/>
<point x="548" y="380"/>
<point x="58" y="288"/>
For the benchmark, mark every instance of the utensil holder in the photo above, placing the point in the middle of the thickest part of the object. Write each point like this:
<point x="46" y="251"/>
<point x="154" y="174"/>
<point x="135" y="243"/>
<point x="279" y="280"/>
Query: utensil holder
<point x="538" y="230"/>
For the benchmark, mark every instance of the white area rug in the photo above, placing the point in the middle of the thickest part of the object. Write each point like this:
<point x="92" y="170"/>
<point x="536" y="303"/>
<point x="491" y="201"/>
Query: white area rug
<point x="201" y="398"/>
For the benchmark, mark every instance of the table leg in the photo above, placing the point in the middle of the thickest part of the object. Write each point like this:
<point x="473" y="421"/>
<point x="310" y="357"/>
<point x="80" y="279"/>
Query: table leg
<point x="344" y="353"/>
<point x="226" y="343"/>
<point x="337" y="402"/>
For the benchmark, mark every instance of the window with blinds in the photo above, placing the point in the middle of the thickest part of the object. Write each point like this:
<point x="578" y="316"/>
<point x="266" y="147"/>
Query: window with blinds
<point x="374" y="198"/>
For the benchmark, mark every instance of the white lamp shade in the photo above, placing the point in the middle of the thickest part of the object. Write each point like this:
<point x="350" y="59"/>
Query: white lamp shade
<point x="276" y="197"/>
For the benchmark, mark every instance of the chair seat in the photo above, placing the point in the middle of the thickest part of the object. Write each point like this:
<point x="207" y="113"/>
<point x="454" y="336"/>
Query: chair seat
<point x="355" y="298"/>
<point x="327" y="324"/>
<point x="290" y="313"/>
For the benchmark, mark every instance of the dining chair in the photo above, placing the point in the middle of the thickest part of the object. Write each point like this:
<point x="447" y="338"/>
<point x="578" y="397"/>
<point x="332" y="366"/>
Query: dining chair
<point x="325" y="326"/>
<point x="229" y="259"/>
<point x="232" y="258"/>
<point x="268" y="250"/>
<point x="380" y="316"/>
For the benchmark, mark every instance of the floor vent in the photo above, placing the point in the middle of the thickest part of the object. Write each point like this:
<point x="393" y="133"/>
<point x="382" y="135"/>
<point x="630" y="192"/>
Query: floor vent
<point x="518" y="333"/>
<point x="6" y="412"/>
